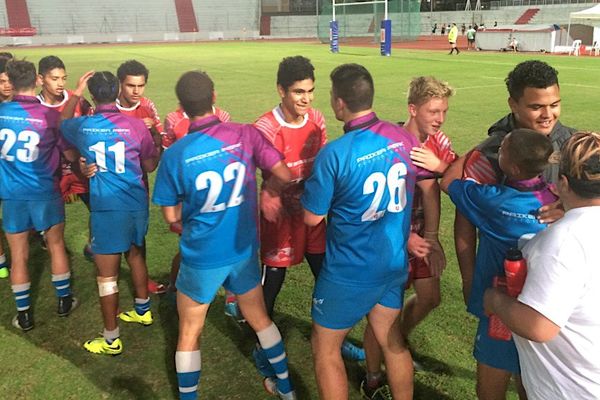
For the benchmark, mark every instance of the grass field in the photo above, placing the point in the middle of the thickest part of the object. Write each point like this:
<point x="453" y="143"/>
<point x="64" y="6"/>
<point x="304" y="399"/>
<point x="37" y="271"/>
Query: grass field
<point x="49" y="363"/>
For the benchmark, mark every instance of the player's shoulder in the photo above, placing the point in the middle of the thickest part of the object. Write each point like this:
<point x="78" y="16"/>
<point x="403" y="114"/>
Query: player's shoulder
<point x="146" y="102"/>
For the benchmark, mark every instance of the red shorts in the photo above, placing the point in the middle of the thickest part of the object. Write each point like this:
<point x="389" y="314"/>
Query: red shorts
<point x="71" y="185"/>
<point x="417" y="269"/>
<point x="284" y="243"/>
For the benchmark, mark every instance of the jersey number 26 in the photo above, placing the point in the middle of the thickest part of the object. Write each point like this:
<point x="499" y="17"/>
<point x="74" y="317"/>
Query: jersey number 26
<point x="396" y="186"/>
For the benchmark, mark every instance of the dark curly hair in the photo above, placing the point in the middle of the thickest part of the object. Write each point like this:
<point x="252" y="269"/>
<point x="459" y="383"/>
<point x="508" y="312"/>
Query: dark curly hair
<point x="194" y="91"/>
<point x="21" y="74"/>
<point x="132" y="68"/>
<point x="533" y="73"/>
<point x="49" y="63"/>
<point x="293" y="69"/>
<point x="104" y="87"/>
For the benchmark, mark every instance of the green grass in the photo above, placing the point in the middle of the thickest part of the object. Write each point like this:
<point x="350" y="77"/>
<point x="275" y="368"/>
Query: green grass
<point x="49" y="363"/>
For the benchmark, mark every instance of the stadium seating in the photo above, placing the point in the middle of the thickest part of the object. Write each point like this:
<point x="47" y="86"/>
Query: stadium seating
<point x="107" y="16"/>
<point x="527" y="16"/>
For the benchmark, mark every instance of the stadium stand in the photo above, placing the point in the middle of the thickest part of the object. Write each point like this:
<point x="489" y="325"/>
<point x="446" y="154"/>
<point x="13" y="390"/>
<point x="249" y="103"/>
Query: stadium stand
<point x="19" y="23"/>
<point x="527" y="16"/>
<point x="186" y="16"/>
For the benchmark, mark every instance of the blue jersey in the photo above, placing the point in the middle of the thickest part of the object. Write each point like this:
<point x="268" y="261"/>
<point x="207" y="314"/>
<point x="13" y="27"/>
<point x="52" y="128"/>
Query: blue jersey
<point x="30" y="147"/>
<point x="212" y="172"/>
<point x="365" y="182"/>
<point x="505" y="216"/>
<point x="116" y="143"/>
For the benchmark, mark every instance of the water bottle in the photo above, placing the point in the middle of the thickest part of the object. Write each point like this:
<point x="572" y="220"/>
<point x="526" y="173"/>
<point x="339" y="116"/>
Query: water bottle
<point x="496" y="328"/>
<point x="515" y="269"/>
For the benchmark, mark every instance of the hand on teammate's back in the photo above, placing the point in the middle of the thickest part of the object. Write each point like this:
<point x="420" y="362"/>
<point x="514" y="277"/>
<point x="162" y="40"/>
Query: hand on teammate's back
<point x="87" y="170"/>
<point x="270" y="205"/>
<point x="425" y="158"/>
<point x="418" y="246"/>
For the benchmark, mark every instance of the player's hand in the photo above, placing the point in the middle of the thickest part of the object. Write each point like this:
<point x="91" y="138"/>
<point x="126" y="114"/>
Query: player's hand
<point x="489" y="299"/>
<point x="149" y="122"/>
<point x="418" y="246"/>
<point x="551" y="212"/>
<point x="270" y="205"/>
<point x="436" y="260"/>
<point x="425" y="158"/>
<point x="88" y="170"/>
<point x="82" y="83"/>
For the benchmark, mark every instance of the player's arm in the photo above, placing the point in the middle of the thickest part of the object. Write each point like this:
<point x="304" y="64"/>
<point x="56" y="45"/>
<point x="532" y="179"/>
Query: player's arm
<point x="518" y="317"/>
<point x="270" y="200"/>
<point x="172" y="214"/>
<point x="69" y="110"/>
<point x="311" y="219"/>
<point x="465" y="234"/>
<point x="436" y="258"/>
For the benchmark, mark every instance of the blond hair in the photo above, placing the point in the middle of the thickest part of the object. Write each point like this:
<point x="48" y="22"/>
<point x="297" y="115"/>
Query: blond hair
<point x="423" y="88"/>
<point x="580" y="163"/>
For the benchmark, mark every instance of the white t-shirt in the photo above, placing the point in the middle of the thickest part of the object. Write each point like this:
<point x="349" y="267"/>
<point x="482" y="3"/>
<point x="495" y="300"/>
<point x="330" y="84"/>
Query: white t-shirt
<point x="563" y="284"/>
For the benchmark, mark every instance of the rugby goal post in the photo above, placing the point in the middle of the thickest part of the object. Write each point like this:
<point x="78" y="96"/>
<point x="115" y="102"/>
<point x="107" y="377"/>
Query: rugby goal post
<point x="385" y="33"/>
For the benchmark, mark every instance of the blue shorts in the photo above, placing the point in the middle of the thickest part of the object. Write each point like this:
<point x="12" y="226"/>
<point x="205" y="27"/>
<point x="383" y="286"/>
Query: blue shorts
<point x="341" y="306"/>
<point x="201" y="285"/>
<point x="113" y="232"/>
<point x="501" y="354"/>
<point x="23" y="215"/>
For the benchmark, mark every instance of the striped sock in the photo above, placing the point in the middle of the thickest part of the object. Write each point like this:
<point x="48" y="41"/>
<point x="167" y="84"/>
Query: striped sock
<point x="21" y="292"/>
<point x="142" y="305"/>
<point x="272" y="344"/>
<point x="111" y="336"/>
<point x="188" y="366"/>
<point x="62" y="284"/>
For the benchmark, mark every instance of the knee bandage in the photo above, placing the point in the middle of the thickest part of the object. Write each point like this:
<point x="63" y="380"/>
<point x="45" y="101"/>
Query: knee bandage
<point x="107" y="285"/>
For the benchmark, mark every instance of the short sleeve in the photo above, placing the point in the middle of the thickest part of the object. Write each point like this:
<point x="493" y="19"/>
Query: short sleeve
<point x="479" y="169"/>
<point x="553" y="284"/>
<point x="319" y="188"/>
<point x="147" y="145"/>
<point x="69" y="129"/>
<point x="168" y="186"/>
<point x="265" y="155"/>
<point x="473" y="200"/>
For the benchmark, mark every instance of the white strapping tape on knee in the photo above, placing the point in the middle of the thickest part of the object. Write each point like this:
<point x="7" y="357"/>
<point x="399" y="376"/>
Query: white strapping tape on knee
<point x="107" y="285"/>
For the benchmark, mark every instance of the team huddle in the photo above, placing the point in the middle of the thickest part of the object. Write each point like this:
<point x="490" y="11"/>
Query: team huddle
<point x="363" y="210"/>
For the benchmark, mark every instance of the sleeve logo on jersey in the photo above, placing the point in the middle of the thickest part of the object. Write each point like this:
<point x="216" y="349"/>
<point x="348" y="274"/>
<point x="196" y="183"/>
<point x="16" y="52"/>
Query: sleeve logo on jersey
<point x="213" y="153"/>
<point x="379" y="152"/>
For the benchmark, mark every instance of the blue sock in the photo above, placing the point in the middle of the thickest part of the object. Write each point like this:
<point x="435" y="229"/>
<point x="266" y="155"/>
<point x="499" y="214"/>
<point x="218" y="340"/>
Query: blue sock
<point x="272" y="344"/>
<point x="21" y="292"/>
<point x="188" y="366"/>
<point x="62" y="284"/>
<point x="142" y="305"/>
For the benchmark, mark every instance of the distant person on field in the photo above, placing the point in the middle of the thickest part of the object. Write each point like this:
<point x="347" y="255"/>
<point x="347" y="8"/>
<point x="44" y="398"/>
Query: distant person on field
<point x="364" y="183"/>
<point x="443" y="30"/>
<point x="122" y="149"/>
<point x="505" y="216"/>
<point x="513" y="45"/>
<point x="555" y="320"/>
<point x="207" y="181"/>
<point x="452" y="38"/>
<point x="433" y="29"/>
<point x="463" y="28"/>
<point x="471" y="37"/>
<point x="31" y="145"/>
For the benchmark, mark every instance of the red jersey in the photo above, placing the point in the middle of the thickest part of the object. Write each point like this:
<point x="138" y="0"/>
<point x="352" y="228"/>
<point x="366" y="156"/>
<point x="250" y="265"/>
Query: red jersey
<point x="478" y="168"/>
<point x="70" y="184"/>
<point x="82" y="108"/>
<point x="441" y="146"/>
<point x="177" y="124"/>
<point x="285" y="242"/>
<point x="145" y="108"/>
<point x="299" y="144"/>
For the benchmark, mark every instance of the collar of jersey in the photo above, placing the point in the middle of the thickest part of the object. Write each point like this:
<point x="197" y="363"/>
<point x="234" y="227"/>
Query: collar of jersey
<point x="527" y="185"/>
<point x="278" y="114"/>
<point x="107" y="108"/>
<point x="133" y="107"/>
<point x="203" y="124"/>
<point x="25" y="99"/>
<point x="63" y="101"/>
<point x="361" y="123"/>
